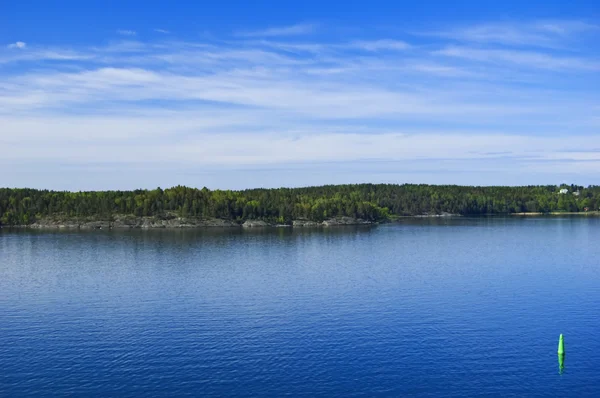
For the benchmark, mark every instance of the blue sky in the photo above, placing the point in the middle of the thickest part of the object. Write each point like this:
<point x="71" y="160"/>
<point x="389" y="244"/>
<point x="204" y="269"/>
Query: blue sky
<point x="121" y="95"/>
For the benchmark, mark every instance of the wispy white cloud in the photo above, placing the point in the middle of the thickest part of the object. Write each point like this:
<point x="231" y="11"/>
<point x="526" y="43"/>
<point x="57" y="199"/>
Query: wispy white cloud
<point x="159" y="138"/>
<point x="19" y="44"/>
<point x="315" y="48"/>
<point x="293" y="30"/>
<point x="270" y="100"/>
<point x="49" y="54"/>
<point x="279" y="91"/>
<point x="567" y="27"/>
<point x="550" y="34"/>
<point x="379" y="45"/>
<point x="523" y="58"/>
<point x="126" y="32"/>
<point x="162" y="31"/>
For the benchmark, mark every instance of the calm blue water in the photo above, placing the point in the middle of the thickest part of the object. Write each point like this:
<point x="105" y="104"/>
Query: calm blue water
<point x="463" y="307"/>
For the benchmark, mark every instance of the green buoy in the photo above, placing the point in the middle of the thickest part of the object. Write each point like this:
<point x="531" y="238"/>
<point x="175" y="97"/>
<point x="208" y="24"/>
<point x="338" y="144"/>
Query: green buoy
<point x="561" y="354"/>
<point x="561" y="345"/>
<point x="561" y="363"/>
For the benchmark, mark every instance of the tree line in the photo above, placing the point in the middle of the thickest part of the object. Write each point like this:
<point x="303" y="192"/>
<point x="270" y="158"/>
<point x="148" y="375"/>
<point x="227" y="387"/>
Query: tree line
<point x="374" y="202"/>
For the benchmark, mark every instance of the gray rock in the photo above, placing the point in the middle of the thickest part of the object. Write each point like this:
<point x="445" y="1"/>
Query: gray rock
<point x="96" y="225"/>
<point x="254" y="224"/>
<point x="125" y="222"/>
<point x="345" y="221"/>
<point x="442" y="214"/>
<point x="305" y="223"/>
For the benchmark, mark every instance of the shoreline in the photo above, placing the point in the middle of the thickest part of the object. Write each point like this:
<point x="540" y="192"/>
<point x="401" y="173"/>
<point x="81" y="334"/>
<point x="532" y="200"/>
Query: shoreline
<point x="124" y="223"/>
<point x="184" y="223"/>
<point x="558" y="213"/>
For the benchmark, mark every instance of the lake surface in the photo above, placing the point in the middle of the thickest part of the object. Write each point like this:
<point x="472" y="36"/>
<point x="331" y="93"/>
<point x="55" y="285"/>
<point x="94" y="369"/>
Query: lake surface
<point x="433" y="307"/>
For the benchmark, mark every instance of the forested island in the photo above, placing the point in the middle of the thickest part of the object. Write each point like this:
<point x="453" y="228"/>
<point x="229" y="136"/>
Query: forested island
<point x="325" y="205"/>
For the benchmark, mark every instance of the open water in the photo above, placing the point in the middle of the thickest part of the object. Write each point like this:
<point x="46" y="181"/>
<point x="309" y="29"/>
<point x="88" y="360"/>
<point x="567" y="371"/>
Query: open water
<point x="432" y="308"/>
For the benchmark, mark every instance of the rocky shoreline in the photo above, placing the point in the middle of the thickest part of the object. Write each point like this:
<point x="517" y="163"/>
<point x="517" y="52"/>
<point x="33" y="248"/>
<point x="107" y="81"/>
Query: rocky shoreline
<point x="128" y="222"/>
<point x="435" y="215"/>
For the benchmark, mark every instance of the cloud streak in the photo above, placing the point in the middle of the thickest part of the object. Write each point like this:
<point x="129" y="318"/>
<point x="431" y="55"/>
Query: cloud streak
<point x="379" y="45"/>
<point x="523" y="58"/>
<point x="19" y="44"/>
<point x="271" y="100"/>
<point x="126" y="32"/>
<point x="542" y="33"/>
<point x="293" y="30"/>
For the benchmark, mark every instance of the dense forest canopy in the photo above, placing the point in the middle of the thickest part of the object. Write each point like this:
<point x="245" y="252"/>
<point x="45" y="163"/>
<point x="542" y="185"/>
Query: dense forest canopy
<point x="374" y="202"/>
